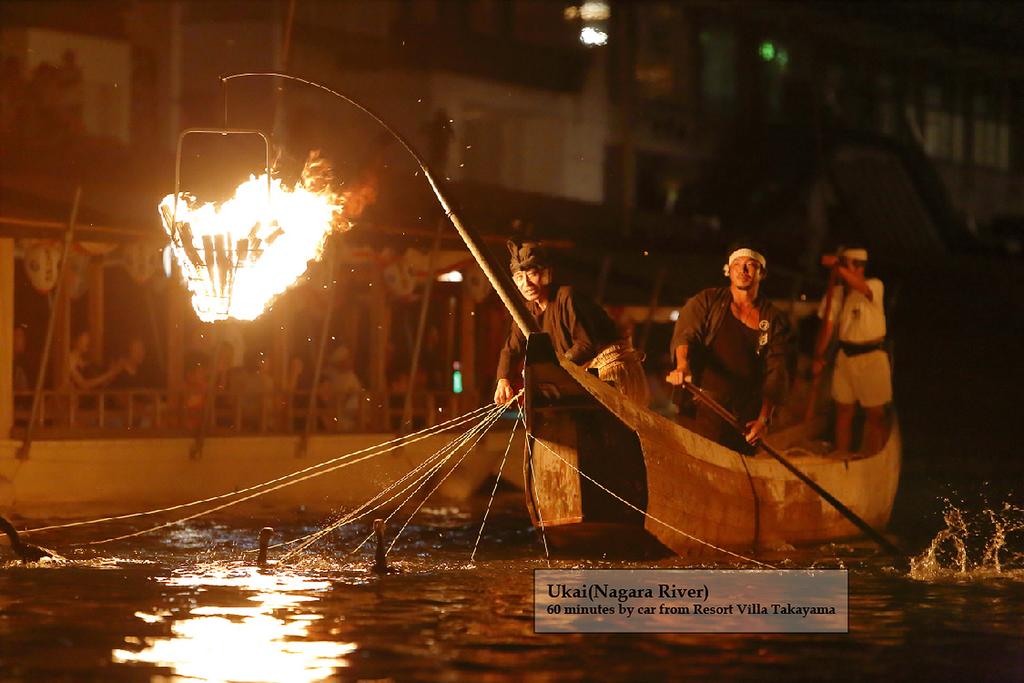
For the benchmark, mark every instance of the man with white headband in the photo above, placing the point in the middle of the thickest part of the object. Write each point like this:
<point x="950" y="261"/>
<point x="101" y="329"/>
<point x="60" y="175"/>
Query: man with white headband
<point x="733" y="342"/>
<point x="862" y="371"/>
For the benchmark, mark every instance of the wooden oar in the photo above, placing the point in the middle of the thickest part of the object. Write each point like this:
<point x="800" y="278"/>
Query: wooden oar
<point x="812" y="398"/>
<point x="724" y="413"/>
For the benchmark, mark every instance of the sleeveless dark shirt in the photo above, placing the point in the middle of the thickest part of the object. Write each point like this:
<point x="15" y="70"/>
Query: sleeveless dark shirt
<point x="733" y="377"/>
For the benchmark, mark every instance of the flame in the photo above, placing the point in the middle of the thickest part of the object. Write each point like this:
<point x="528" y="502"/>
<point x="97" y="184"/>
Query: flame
<point x="238" y="256"/>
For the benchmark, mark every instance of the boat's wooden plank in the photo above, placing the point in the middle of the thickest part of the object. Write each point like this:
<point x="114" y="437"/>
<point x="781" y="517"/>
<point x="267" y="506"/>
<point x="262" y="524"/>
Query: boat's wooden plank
<point x="699" y="487"/>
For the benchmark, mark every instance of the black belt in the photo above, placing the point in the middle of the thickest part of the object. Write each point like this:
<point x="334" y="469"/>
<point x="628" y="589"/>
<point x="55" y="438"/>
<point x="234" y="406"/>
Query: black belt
<point x="859" y="349"/>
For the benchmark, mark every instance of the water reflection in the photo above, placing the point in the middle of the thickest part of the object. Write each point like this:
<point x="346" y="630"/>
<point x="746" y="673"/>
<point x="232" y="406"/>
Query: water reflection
<point x="268" y="640"/>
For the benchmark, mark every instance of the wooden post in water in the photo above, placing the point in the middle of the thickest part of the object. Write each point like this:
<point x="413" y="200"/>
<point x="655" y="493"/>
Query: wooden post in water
<point x="265" y="534"/>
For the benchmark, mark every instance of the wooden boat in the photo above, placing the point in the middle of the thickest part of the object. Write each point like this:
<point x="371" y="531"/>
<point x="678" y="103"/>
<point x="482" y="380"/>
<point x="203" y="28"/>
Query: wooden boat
<point x="607" y="475"/>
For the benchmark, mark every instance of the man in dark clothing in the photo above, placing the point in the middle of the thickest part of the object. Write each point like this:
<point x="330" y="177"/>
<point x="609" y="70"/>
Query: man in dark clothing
<point x="580" y="329"/>
<point x="734" y="342"/>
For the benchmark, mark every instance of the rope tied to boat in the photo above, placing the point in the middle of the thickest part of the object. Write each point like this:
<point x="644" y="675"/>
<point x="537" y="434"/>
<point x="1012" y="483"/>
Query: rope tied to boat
<point x="452" y="447"/>
<point x="647" y="515"/>
<point x="390" y="445"/>
<point x="424" y="479"/>
<point x="480" y="415"/>
<point x="497" y="480"/>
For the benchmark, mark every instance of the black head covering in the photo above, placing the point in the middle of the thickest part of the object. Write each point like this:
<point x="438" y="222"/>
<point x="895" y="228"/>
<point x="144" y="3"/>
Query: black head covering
<point x="526" y="255"/>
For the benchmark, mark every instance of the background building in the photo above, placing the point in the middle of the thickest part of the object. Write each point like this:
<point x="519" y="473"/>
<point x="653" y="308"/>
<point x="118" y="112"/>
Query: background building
<point x="662" y="129"/>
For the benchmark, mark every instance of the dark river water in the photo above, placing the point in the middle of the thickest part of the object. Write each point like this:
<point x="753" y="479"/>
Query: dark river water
<point x="186" y="604"/>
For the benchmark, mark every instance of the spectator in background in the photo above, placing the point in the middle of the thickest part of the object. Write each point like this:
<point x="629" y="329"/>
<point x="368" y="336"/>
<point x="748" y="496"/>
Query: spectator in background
<point x="135" y="372"/>
<point x="135" y="375"/>
<point x="340" y="391"/>
<point x="83" y="377"/>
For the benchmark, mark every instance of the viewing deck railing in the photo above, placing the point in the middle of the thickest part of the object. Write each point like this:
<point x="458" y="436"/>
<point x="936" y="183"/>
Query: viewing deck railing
<point x="163" y="413"/>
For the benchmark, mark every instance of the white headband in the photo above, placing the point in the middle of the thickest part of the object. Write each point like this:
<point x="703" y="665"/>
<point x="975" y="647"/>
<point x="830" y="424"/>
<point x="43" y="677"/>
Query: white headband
<point x="856" y="254"/>
<point x="749" y="253"/>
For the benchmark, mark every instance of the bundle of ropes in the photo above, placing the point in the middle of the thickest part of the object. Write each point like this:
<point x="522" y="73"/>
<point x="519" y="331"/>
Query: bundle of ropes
<point x="403" y="493"/>
<point x="436" y="468"/>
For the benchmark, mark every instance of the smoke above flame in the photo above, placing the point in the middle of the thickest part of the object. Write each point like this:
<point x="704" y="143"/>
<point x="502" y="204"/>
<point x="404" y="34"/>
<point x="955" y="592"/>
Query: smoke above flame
<point x="237" y="256"/>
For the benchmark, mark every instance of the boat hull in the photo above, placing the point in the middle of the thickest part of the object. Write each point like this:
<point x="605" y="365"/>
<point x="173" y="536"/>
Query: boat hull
<point x="602" y="468"/>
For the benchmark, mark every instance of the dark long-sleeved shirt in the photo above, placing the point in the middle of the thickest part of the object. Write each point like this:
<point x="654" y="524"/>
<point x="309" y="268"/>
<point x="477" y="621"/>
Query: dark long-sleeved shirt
<point x="579" y="329"/>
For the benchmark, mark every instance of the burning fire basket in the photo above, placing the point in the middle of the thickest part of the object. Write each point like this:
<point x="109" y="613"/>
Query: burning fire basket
<point x="210" y="262"/>
<point x="238" y="255"/>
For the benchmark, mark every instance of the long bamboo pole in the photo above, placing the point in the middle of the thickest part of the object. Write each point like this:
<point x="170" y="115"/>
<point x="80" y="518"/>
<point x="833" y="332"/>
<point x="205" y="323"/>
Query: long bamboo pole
<point x="421" y="327"/>
<point x="498" y="277"/>
<point x="58" y="292"/>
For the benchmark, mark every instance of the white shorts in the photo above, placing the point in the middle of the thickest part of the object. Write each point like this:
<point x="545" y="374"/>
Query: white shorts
<point x="865" y="379"/>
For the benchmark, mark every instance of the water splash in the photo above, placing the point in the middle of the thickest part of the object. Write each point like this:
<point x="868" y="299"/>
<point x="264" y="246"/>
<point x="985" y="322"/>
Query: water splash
<point x="974" y="545"/>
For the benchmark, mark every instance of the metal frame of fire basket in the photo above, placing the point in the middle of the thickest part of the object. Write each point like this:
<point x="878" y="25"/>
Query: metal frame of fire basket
<point x="208" y="409"/>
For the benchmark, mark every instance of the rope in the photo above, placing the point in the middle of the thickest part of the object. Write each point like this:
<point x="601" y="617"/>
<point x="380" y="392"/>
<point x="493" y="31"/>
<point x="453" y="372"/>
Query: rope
<point x="311" y="475"/>
<point x="494" y="491"/>
<point x="650" y="516"/>
<point x="423" y="480"/>
<point x="454" y="445"/>
<point x="344" y="519"/>
<point x="445" y="477"/>
<point x="420" y="435"/>
<point x="536" y="503"/>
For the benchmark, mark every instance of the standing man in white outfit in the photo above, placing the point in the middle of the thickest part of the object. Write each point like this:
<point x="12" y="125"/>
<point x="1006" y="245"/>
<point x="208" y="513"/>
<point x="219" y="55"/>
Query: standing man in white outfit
<point x="862" y="373"/>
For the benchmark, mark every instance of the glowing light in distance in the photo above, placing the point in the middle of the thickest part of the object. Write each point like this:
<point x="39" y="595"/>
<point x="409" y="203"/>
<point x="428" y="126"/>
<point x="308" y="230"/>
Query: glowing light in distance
<point x="450" y="276"/>
<point x="593" y="36"/>
<point x="595" y="11"/>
